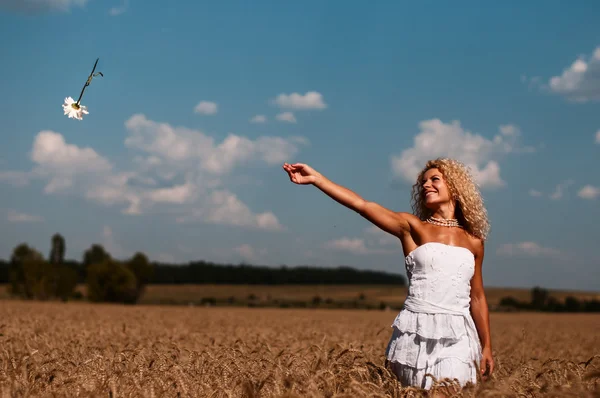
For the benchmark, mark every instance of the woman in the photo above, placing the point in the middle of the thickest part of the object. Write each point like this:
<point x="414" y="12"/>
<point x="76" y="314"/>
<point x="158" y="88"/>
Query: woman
<point x="443" y="328"/>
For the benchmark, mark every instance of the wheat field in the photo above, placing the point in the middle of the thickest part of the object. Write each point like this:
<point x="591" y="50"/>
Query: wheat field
<point x="92" y="350"/>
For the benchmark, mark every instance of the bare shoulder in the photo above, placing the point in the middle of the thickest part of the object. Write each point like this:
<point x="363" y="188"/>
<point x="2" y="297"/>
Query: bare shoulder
<point x="477" y="246"/>
<point x="413" y="223"/>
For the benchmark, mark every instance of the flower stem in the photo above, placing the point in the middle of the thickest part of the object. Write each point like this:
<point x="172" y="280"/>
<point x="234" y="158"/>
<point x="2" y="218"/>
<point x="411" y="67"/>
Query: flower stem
<point x="81" y="95"/>
<point x="89" y="80"/>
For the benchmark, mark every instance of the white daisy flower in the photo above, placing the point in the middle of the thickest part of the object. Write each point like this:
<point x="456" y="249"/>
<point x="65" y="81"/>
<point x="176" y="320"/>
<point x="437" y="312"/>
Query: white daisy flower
<point x="74" y="110"/>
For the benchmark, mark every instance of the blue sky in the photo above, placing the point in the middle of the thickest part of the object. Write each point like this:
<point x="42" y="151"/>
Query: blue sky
<point x="180" y="155"/>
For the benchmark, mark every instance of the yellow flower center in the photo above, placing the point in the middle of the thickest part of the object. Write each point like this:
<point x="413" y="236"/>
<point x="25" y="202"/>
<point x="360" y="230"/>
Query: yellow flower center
<point x="75" y="106"/>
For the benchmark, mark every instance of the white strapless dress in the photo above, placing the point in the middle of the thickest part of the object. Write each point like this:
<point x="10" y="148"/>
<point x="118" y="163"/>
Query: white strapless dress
<point x="434" y="332"/>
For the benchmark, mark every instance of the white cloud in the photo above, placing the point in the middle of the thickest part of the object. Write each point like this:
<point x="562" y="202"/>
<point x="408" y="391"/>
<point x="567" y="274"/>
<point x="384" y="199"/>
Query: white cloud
<point x="178" y="170"/>
<point x="117" y="189"/>
<point x="111" y="245"/>
<point x="598" y="137"/>
<point x="38" y="6"/>
<point x="310" y="100"/>
<point x="580" y="82"/>
<point x="17" y="217"/>
<point x="118" y="10"/>
<point x="530" y="249"/>
<point x="52" y="152"/>
<point x="481" y="155"/>
<point x="176" y="194"/>
<point x="196" y="154"/>
<point x="224" y="207"/>
<point x="250" y="254"/>
<point x="352" y="245"/>
<point x="182" y="147"/>
<point x="62" y="163"/>
<point x="258" y="119"/>
<point x="557" y="194"/>
<point x="532" y="82"/>
<point x="382" y="238"/>
<point x="16" y="178"/>
<point x="206" y="108"/>
<point x="286" y="117"/>
<point x="164" y="141"/>
<point x="559" y="191"/>
<point x="534" y="193"/>
<point x="122" y="189"/>
<point x="589" y="192"/>
<point x="509" y="130"/>
<point x="376" y="241"/>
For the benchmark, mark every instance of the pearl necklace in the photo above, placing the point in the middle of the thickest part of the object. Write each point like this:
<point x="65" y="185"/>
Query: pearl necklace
<point x="444" y="222"/>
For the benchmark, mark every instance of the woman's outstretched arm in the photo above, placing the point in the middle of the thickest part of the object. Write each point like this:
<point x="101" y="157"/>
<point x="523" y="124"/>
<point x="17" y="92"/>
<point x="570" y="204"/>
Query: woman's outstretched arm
<point x="392" y="222"/>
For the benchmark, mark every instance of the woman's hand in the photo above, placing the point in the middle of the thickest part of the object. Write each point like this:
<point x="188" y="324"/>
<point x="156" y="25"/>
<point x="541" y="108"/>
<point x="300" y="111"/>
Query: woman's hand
<point x="301" y="173"/>
<point x="487" y="363"/>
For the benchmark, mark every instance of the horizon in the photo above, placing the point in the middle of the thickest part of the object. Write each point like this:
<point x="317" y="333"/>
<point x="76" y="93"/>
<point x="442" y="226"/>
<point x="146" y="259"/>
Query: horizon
<point x="199" y="105"/>
<point x="292" y="266"/>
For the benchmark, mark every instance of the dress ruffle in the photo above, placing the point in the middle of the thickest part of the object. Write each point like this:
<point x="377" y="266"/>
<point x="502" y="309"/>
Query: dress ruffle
<point x="431" y="343"/>
<point x="431" y="326"/>
<point x="446" y="368"/>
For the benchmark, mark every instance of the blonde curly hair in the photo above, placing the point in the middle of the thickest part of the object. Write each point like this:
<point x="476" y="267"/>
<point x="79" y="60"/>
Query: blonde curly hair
<point x="470" y="210"/>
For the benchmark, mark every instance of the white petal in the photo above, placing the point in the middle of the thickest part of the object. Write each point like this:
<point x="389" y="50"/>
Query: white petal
<point x="72" y="112"/>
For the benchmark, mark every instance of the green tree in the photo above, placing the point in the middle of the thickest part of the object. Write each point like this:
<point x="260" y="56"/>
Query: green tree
<point x="38" y="278"/>
<point x="111" y="281"/>
<point x="142" y="269"/>
<point x="57" y="253"/>
<point x="56" y="258"/>
<point x="95" y="255"/>
<point x="539" y="298"/>
<point x="572" y="304"/>
<point x="32" y="277"/>
<point x="22" y="252"/>
<point x="509" y="301"/>
<point x="552" y="304"/>
<point x="24" y="259"/>
<point x="65" y="282"/>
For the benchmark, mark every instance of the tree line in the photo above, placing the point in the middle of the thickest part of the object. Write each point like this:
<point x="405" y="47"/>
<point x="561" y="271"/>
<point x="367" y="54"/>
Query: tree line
<point x="29" y="275"/>
<point x="541" y="300"/>
<point x="201" y="272"/>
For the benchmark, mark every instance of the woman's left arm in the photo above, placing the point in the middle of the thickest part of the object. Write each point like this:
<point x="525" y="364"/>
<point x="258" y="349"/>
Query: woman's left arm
<point x="480" y="313"/>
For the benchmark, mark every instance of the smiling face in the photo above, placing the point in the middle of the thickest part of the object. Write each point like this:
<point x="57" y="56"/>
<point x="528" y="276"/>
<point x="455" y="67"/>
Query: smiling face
<point x="445" y="188"/>
<point x="435" y="189"/>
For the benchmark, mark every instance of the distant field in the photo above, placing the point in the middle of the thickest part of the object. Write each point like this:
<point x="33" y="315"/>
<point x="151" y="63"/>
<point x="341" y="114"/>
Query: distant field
<point x="98" y="350"/>
<point x="374" y="295"/>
